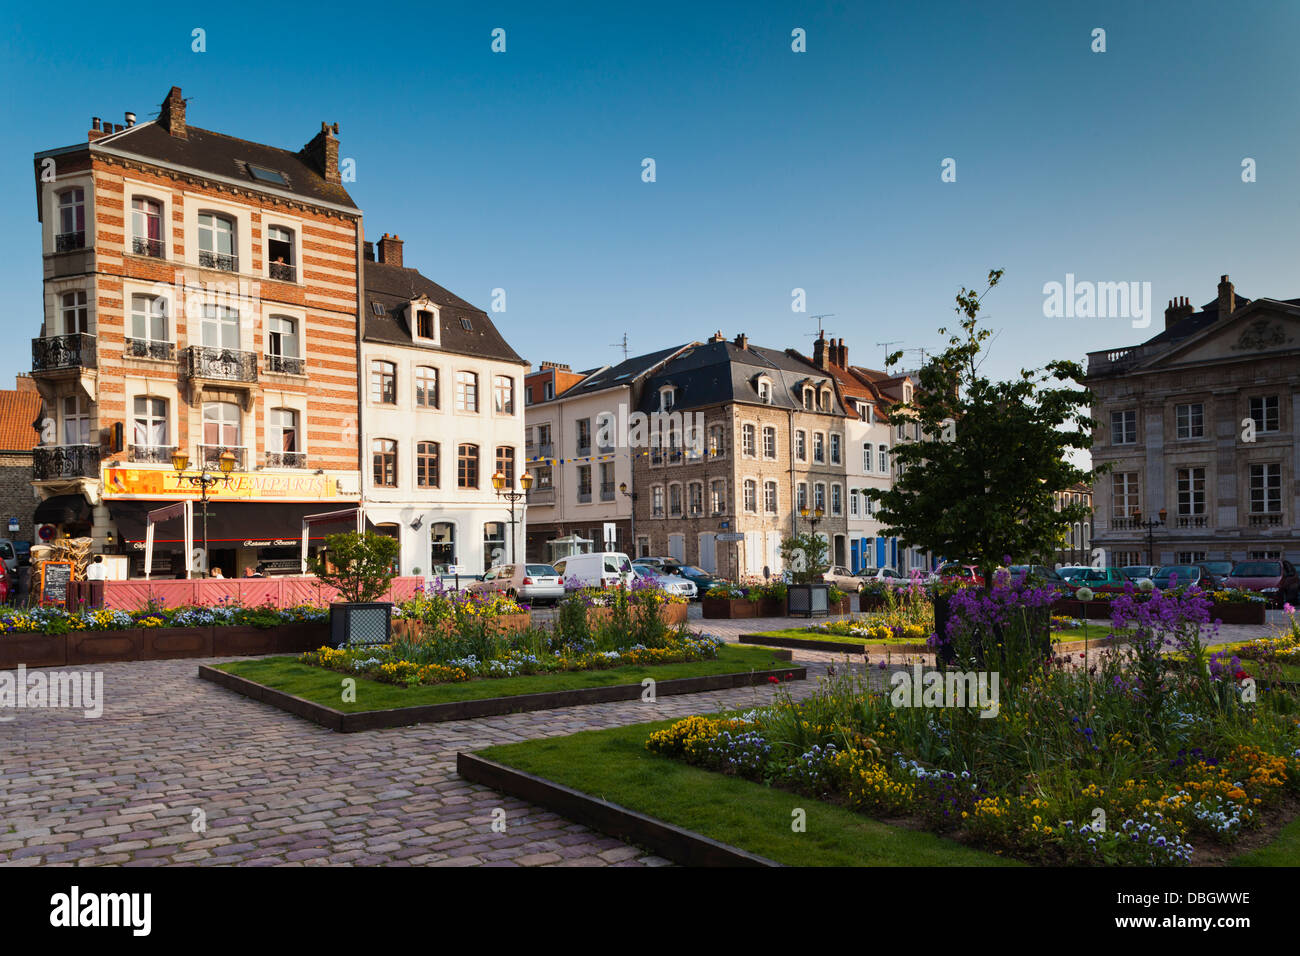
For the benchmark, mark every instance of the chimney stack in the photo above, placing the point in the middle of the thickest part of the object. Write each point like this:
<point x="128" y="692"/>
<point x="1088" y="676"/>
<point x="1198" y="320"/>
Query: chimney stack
<point x="172" y="115"/>
<point x="1177" y="310"/>
<point x="368" y="251"/>
<point x="1227" y="298"/>
<point x="322" y="153"/>
<point x="390" y="250"/>
<point x="841" y="355"/>
<point x="96" y="131"/>
<point x="130" y="119"/>
<point x="821" y="354"/>
<point x="717" y="337"/>
<point x="742" y="341"/>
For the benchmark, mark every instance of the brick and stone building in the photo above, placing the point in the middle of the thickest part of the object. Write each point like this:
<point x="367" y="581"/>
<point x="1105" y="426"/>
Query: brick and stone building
<point x="20" y="409"/>
<point x="1199" y="423"/>
<point x="442" y="415"/>
<point x="200" y="296"/>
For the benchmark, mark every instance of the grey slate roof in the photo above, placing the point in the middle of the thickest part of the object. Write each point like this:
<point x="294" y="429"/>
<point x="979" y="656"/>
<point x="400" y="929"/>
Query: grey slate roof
<point x="226" y="156"/>
<point x="395" y="286"/>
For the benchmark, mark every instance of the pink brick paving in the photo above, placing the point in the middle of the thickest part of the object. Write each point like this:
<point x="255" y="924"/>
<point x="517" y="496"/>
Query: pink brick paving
<point x="277" y="790"/>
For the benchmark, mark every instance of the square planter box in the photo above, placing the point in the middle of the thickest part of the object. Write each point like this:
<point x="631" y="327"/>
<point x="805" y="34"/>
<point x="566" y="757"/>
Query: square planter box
<point x="772" y="607"/>
<point x="1252" y="613"/>
<point x="367" y="623"/>
<point x="34" y="650"/>
<point x="165" y="643"/>
<point x="300" y="637"/>
<point x="729" y="608"/>
<point x="809" y="600"/>
<point x="100" y="647"/>
<point x="870" y="602"/>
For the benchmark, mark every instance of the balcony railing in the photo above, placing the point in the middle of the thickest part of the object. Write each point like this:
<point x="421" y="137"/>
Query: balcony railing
<point x="1266" y="520"/>
<point x="1191" y="521"/>
<point x="286" y="459"/>
<point x="583" y="449"/>
<point x="210" y="456"/>
<point x="216" y="260"/>
<point x="607" y="491"/>
<point x="584" y="497"/>
<point x="541" y="496"/>
<point x="152" y="453"/>
<point x="282" y="271"/>
<point x="65" y="461"/>
<point x="285" y="364"/>
<point x="153" y="248"/>
<point x="70" y="241"/>
<point x="224" y="365"/>
<point x="539" y="450"/>
<point x="1124" y="524"/>
<point x="63" y="351"/>
<point x="144" y="348"/>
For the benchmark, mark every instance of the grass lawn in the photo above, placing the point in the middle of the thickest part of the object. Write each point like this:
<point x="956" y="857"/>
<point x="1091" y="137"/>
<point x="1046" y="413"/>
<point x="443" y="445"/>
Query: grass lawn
<point x="614" y="765"/>
<point x="1098" y="631"/>
<point x="324" y="687"/>
<point x="1283" y="851"/>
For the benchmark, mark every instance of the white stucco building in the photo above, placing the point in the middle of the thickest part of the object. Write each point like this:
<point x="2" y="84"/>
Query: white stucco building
<point x="441" y="412"/>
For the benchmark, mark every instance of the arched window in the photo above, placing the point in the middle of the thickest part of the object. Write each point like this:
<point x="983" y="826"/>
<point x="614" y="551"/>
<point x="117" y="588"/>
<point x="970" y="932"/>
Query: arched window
<point x="147" y="227"/>
<point x="279" y="254"/>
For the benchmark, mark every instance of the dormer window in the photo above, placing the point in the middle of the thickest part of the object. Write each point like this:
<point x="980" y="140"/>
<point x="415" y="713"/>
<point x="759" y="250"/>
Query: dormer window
<point x="808" y="399"/>
<point x="667" y="396"/>
<point x="826" y="400"/>
<point x="765" y="391"/>
<point x="425" y="320"/>
<point x="907" y="393"/>
<point x="424" y="324"/>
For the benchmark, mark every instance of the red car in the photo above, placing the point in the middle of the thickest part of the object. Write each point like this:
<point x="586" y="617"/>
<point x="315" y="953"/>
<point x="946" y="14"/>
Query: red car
<point x="964" y="574"/>
<point x="1275" y="580"/>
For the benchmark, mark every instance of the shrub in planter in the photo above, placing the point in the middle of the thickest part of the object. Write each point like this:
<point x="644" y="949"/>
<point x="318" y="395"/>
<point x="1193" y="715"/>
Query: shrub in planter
<point x="360" y="567"/>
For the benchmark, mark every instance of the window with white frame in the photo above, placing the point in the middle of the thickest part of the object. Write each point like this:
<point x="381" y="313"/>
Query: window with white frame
<point x="657" y="501"/>
<point x="868" y="452"/>
<point x="466" y="392"/>
<point x="149" y="429"/>
<point x="819" y="448"/>
<point x="1123" y="427"/>
<point x="282" y="432"/>
<point x="1190" y="420"/>
<point x="835" y="449"/>
<point x="1191" y="492"/>
<point x="747" y="440"/>
<point x="426" y="387"/>
<point x="217" y="242"/>
<point x="694" y="497"/>
<point x="73" y="312"/>
<point x="801" y="445"/>
<point x="283" y="346"/>
<point x="801" y="496"/>
<point x="819" y="497"/>
<point x="279" y="254"/>
<point x="72" y="220"/>
<point x="765" y="391"/>
<point x="219" y="327"/>
<point x="503" y="389"/>
<point x="146" y="227"/>
<point x="884" y="459"/>
<point x="383" y="455"/>
<point x="1124" y="487"/>
<point x="769" y="497"/>
<point x="718" y="496"/>
<point x="1266" y="488"/>
<point x="74" y="410"/>
<point x="222" y="431"/>
<point x="383" y="382"/>
<point x="769" y="442"/>
<point x="853" y="503"/>
<point x="150" y="336"/>
<point x="837" y="500"/>
<point x="750" y="496"/>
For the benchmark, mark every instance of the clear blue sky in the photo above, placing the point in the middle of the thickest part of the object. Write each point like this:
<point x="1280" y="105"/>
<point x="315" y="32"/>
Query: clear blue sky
<point x="775" y="170"/>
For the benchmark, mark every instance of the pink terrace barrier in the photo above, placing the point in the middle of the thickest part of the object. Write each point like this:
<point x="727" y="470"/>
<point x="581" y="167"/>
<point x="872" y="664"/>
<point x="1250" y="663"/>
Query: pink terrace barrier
<point x="250" y="592"/>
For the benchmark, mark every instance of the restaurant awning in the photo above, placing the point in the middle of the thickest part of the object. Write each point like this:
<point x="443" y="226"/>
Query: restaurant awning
<point x="242" y="524"/>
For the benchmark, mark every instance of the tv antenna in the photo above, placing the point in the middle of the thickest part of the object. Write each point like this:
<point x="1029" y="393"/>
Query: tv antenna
<point x="824" y="315"/>
<point x="886" y="346"/>
<point x="621" y="345"/>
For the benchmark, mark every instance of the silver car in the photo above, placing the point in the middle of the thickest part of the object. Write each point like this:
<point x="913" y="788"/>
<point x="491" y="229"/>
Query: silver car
<point x="526" y="583"/>
<point x="670" y="583"/>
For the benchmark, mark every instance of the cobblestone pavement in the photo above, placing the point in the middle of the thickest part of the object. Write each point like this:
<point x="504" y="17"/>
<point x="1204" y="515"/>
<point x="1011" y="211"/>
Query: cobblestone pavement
<point x="272" y="789"/>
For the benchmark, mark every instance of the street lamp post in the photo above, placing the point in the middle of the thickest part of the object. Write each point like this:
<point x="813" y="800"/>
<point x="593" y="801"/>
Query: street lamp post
<point x="203" y="481"/>
<point x="631" y="522"/>
<point x="499" y="482"/>
<point x="1150" y="524"/>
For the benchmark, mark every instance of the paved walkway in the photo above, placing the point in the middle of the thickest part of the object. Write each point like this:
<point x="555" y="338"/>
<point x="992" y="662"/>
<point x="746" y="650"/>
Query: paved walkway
<point x="130" y="787"/>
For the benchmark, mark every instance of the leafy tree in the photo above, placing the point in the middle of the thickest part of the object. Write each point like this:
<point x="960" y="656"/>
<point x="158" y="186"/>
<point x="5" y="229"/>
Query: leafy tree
<point x="805" y="556"/>
<point x="359" y="565"/>
<point x="981" y="483"/>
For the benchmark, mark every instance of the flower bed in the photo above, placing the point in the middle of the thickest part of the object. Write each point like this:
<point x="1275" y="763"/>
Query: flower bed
<point x="52" y="636"/>
<point x="1139" y="758"/>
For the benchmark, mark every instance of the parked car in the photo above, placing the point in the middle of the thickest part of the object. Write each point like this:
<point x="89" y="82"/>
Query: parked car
<point x="526" y="583"/>
<point x="1183" y="575"/>
<point x="1275" y="580"/>
<point x="9" y="555"/>
<point x="886" y="576"/>
<point x="963" y="573"/>
<point x="671" y="583"/>
<point x="1220" y="569"/>
<point x="1138" y="572"/>
<point x="599" y="569"/>
<point x="452" y="582"/>
<point x="842" y="578"/>
<point x="1036" y="573"/>
<point x="702" y="579"/>
<point x="1071" y="571"/>
<point x="655" y="562"/>
<point x="24" y="549"/>
<point x="1108" y="580"/>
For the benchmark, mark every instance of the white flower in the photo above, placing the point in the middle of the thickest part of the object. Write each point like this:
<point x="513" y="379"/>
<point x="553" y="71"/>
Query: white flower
<point x="1084" y="594"/>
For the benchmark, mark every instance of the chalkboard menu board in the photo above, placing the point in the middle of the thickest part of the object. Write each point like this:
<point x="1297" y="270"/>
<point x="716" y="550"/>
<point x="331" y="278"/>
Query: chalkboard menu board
<point x="55" y="577"/>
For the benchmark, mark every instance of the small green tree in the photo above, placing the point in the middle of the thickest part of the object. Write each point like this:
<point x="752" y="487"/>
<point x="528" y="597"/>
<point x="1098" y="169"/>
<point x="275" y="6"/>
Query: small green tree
<point x="804" y="556"/>
<point x="982" y="482"/>
<point x="360" y="566"/>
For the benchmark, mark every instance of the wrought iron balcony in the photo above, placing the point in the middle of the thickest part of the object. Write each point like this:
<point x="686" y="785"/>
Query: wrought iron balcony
<point x="65" y="461"/>
<point x="282" y="271"/>
<point x="607" y="491"/>
<point x="540" y="450"/>
<point x="583" y="450"/>
<point x="210" y="456"/>
<point x="143" y="348"/>
<point x="63" y="351"/>
<point x="584" y="497"/>
<point x="153" y="248"/>
<point x="222" y="365"/>
<point x="285" y="365"/>
<point x="216" y="260"/>
<point x="1266" y="520"/>
<point x="286" y="459"/>
<point x="160" y="454"/>
<point x="70" y="241"/>
<point x="541" y="496"/>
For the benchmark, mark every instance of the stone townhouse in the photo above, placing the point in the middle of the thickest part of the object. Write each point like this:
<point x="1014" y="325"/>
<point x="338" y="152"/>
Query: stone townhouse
<point x="582" y="461"/>
<point x="1199" y="423"/>
<point x="200" y="298"/>
<point x="442" y="416"/>
<point x="20" y="407"/>
<point x="769" y="461"/>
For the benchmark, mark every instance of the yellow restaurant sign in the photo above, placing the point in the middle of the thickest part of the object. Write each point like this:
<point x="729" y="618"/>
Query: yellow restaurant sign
<point x="243" y="486"/>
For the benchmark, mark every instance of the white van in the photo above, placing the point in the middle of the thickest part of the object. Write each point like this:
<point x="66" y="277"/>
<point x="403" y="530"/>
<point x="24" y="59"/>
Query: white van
<point x="600" y="569"/>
